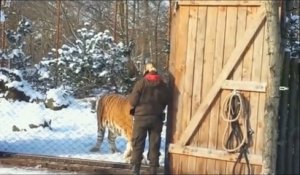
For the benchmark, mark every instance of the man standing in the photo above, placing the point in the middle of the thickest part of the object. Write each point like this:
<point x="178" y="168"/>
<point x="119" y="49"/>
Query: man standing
<point x="149" y="97"/>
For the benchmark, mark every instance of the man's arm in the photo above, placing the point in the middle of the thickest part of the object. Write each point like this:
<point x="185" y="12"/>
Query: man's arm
<point x="134" y="96"/>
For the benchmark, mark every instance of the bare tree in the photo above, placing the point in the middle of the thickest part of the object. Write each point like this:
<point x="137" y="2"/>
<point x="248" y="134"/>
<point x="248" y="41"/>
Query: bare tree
<point x="144" y="23"/>
<point x="156" y="32"/>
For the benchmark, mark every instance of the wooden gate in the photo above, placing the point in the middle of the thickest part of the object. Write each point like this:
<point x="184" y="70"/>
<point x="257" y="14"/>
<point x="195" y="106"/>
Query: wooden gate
<point x="216" y="47"/>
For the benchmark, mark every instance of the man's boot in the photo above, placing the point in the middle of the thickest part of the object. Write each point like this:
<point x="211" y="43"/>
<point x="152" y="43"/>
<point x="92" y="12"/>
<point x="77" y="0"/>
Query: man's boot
<point x="136" y="169"/>
<point x="153" y="170"/>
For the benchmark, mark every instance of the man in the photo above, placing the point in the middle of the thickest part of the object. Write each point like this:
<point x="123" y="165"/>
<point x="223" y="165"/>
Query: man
<point x="149" y="97"/>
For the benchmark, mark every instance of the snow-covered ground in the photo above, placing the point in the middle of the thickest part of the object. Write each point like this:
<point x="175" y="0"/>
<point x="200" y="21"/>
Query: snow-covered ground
<point x="29" y="170"/>
<point x="73" y="132"/>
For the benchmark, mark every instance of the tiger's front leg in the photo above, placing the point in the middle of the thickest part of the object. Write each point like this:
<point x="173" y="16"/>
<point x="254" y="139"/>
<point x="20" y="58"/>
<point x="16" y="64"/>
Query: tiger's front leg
<point x="127" y="153"/>
<point x="112" y="141"/>
<point x="100" y="137"/>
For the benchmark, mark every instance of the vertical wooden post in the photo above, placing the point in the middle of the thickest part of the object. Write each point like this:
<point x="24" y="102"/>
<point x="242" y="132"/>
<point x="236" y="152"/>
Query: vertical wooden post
<point x="272" y="100"/>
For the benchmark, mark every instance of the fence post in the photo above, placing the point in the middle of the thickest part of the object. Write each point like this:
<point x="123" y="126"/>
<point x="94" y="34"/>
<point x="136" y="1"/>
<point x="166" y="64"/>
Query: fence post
<point x="297" y="122"/>
<point x="292" y="117"/>
<point x="283" y="115"/>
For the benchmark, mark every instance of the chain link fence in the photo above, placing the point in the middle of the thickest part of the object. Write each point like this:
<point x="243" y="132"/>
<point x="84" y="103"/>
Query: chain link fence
<point x="31" y="128"/>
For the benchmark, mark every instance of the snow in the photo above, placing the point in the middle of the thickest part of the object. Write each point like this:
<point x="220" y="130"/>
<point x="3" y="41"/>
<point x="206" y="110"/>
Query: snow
<point x="60" y="96"/>
<point x="2" y="16"/>
<point x="21" y="85"/>
<point x="29" y="170"/>
<point x="72" y="134"/>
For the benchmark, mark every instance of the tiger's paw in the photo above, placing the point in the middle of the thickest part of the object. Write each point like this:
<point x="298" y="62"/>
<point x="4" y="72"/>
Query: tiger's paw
<point x="145" y="160"/>
<point x="115" y="150"/>
<point x="94" y="149"/>
<point x="127" y="160"/>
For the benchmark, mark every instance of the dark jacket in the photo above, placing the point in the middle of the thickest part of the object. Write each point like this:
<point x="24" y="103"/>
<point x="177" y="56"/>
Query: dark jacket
<point x="149" y="96"/>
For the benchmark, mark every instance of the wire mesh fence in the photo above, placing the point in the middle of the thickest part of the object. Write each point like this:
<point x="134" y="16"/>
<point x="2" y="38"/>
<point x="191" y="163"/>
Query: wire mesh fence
<point x="31" y="128"/>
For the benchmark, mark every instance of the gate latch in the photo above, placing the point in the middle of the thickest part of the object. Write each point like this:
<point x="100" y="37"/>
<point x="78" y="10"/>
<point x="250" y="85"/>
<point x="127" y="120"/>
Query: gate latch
<point x="283" y="88"/>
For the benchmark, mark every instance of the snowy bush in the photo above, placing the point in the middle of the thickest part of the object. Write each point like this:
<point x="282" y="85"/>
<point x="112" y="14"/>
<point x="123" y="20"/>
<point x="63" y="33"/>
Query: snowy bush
<point x="13" y="87"/>
<point x="292" y="35"/>
<point x="57" y="99"/>
<point x="16" y="40"/>
<point x="92" y="61"/>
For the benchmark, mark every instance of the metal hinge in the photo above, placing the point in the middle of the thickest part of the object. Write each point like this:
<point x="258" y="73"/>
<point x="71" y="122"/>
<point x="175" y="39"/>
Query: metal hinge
<point x="176" y="6"/>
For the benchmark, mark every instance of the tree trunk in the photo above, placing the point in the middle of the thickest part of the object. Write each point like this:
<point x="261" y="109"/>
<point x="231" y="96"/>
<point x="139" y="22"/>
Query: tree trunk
<point x="122" y="20"/>
<point x="58" y="6"/>
<point x="126" y="22"/>
<point x="274" y="74"/>
<point x="115" y="20"/>
<point x="156" y="33"/>
<point x="145" y="37"/>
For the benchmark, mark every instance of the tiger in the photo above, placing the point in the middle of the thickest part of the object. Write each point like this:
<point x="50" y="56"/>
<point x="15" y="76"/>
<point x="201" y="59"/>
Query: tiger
<point x="113" y="113"/>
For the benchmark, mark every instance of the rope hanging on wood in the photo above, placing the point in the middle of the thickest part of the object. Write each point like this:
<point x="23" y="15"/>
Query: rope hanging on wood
<point x="237" y="135"/>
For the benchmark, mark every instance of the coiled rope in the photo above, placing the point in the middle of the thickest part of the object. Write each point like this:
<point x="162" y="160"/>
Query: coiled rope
<point x="236" y="138"/>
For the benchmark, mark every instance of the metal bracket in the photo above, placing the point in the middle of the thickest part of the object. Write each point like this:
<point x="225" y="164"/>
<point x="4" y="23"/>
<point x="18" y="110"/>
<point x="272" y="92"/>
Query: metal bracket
<point x="283" y="88"/>
<point x="176" y="6"/>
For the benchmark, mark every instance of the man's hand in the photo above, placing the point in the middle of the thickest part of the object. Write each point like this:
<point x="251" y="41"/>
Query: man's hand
<point x="131" y="112"/>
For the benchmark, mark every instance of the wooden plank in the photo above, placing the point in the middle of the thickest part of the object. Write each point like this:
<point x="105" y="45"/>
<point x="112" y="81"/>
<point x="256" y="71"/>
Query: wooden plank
<point x="198" y="72"/>
<point x="247" y="65"/>
<point x="199" y="59"/>
<point x="188" y="79"/>
<point x="219" y="3"/>
<point x="244" y="85"/>
<point x="82" y="166"/>
<point x="220" y="166"/>
<point x="172" y="108"/>
<point x="208" y="68"/>
<point x="215" y="112"/>
<point x="230" y="32"/>
<point x="230" y="44"/>
<point x="257" y="57"/>
<point x="262" y="97"/>
<point x="188" y="75"/>
<point x="182" y="16"/>
<point x="234" y="58"/>
<point x="184" y="164"/>
<point x="173" y="27"/>
<point x="179" y="66"/>
<point x="172" y="63"/>
<point x="169" y="168"/>
<point x="208" y="129"/>
<point x="212" y="154"/>
<point x="240" y="31"/>
<point x="262" y="102"/>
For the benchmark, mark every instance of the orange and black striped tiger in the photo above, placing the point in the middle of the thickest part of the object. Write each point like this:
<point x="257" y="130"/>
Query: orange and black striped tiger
<point x="113" y="113"/>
